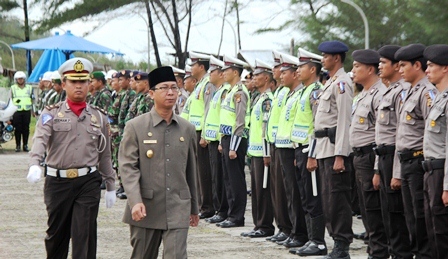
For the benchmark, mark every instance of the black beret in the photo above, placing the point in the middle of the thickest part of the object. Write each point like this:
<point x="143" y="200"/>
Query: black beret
<point x="437" y="53"/>
<point x="125" y="73"/>
<point x="388" y="51"/>
<point x="160" y="75"/>
<point x="332" y="47"/>
<point x="134" y="73"/>
<point x="410" y="52"/>
<point x="366" y="56"/>
<point x="141" y="76"/>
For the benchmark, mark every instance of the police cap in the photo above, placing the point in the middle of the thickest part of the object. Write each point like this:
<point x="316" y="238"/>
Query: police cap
<point x="76" y="69"/>
<point x="410" y="52"/>
<point x="437" y="54"/>
<point x="332" y="47"/>
<point x="388" y="51"/>
<point x="366" y="56"/>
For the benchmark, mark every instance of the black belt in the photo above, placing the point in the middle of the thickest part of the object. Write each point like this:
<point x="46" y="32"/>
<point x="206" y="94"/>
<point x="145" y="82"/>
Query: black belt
<point x="327" y="132"/>
<point x="383" y="150"/>
<point x="430" y="165"/>
<point x="409" y="155"/>
<point x="359" y="151"/>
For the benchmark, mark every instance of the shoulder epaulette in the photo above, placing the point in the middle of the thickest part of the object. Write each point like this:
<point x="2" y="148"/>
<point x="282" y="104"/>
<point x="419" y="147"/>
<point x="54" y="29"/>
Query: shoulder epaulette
<point x="99" y="109"/>
<point x="51" y="107"/>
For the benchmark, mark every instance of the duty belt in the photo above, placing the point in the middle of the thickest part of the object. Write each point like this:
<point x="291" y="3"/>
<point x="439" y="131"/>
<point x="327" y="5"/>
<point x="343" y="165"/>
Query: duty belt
<point x="409" y="155"/>
<point x="70" y="173"/>
<point x="327" y="132"/>
<point x="429" y="165"/>
<point x="383" y="150"/>
<point x="359" y="151"/>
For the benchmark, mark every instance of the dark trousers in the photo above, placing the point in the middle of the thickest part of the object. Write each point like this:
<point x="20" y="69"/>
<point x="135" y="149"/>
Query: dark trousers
<point x="412" y="190"/>
<point x="278" y="193"/>
<point x="72" y="207"/>
<point x="219" y="192"/>
<point x="355" y="196"/>
<point x="295" y="211"/>
<point x="235" y="179"/>
<point x="364" y="168"/>
<point x="436" y="213"/>
<point x="392" y="209"/>
<point x="262" y="212"/>
<point x="21" y="121"/>
<point x="336" y="199"/>
<point x="205" y="179"/>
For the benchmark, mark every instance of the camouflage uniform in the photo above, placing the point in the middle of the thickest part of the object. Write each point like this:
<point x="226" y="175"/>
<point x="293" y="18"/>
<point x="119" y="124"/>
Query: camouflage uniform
<point x="114" y="111"/>
<point x="145" y="106"/>
<point x="102" y="99"/>
<point x="125" y="103"/>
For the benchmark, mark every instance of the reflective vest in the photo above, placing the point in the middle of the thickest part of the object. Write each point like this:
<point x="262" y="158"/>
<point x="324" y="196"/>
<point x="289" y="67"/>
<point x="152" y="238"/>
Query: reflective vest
<point x="195" y="113"/>
<point x="211" y="124"/>
<point x="304" y="121"/>
<point x="22" y="97"/>
<point x="186" y="111"/>
<point x="287" y="115"/>
<point x="277" y="103"/>
<point x="228" y="115"/>
<point x="256" y="124"/>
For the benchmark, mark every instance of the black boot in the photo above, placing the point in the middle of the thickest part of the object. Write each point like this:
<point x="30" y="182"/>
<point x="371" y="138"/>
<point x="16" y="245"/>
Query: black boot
<point x="25" y="148"/>
<point x="18" y="148"/>
<point x="340" y="250"/>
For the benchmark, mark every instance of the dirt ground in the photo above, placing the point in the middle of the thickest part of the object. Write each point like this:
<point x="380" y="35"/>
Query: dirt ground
<point x="23" y="224"/>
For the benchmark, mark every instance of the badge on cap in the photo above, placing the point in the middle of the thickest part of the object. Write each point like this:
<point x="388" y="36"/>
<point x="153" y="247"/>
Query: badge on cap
<point x="433" y="123"/>
<point x="149" y="153"/>
<point x="79" y="66"/>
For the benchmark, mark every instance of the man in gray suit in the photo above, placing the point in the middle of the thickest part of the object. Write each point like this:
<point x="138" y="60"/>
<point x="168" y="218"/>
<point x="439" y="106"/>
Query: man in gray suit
<point x="158" y="161"/>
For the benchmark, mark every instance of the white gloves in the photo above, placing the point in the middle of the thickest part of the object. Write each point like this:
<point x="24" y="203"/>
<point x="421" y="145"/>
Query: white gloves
<point x="34" y="174"/>
<point x="110" y="197"/>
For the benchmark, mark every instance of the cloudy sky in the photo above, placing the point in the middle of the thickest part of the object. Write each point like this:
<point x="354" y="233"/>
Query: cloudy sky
<point x="129" y="34"/>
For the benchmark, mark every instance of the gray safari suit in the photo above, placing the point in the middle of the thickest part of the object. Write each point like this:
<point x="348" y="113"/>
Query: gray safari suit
<point x="158" y="163"/>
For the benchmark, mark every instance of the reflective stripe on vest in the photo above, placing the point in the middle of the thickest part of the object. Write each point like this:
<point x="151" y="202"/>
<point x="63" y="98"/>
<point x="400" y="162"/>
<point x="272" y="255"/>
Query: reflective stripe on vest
<point x="211" y="124"/>
<point x="256" y="126"/>
<point x="197" y="106"/>
<point x="22" y="97"/>
<point x="277" y="103"/>
<point x="287" y="115"/>
<point x="304" y="122"/>
<point x="228" y="115"/>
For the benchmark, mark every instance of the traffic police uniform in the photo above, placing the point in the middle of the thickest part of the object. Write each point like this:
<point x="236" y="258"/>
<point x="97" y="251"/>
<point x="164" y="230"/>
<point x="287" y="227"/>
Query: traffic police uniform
<point x="78" y="157"/>
<point x="331" y="126"/>
<point x="22" y="97"/>
<point x="283" y="143"/>
<point x="362" y="140"/>
<point x="198" y="106"/>
<point x="411" y="127"/>
<point x="434" y="150"/>
<point x="302" y="131"/>
<point x="212" y="136"/>
<point x="278" y="193"/>
<point x="262" y="212"/>
<point x="234" y="128"/>
<point x="388" y="162"/>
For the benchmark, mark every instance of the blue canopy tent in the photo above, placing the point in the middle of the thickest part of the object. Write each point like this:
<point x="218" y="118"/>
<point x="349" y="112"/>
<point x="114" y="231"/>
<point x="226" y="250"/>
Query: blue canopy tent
<point x="67" y="44"/>
<point x="50" y="60"/>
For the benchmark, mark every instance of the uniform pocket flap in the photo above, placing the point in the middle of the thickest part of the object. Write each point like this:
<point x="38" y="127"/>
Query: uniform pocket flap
<point x="185" y="194"/>
<point x="147" y="194"/>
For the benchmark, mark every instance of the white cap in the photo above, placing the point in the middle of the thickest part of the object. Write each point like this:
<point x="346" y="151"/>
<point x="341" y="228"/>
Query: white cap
<point x="55" y="75"/>
<point x="195" y="57"/>
<point x="305" y="57"/>
<point x="47" y="76"/>
<point x="276" y="54"/>
<point x="178" y="71"/>
<point x="76" y="69"/>
<point x="215" y="64"/>
<point x="261" y="66"/>
<point x="110" y="73"/>
<point x="20" y="74"/>
<point x="288" y="62"/>
<point x="187" y="71"/>
<point x="233" y="62"/>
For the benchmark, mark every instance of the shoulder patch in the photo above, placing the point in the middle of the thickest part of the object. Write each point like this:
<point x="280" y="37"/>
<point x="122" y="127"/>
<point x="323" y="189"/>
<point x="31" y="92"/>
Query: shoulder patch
<point x="266" y="106"/>
<point x="341" y="86"/>
<point x="237" y="97"/>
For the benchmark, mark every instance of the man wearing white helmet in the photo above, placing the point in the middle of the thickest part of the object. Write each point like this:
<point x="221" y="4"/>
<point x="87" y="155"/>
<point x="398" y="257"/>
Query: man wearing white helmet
<point x="22" y="97"/>
<point x="109" y="76"/>
<point x="44" y="87"/>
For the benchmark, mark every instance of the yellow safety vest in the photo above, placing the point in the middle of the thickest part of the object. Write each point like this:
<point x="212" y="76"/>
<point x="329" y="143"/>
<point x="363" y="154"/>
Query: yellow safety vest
<point x="304" y="122"/>
<point x="256" y="124"/>
<point x="277" y="103"/>
<point x="21" y="97"/>
<point x="287" y="115"/>
<point x="228" y="115"/>
<point x="195" y="113"/>
<point x="211" y="124"/>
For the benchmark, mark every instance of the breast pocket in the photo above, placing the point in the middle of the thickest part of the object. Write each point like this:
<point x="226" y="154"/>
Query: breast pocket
<point x="409" y="116"/>
<point x="60" y="132"/>
<point x="384" y="115"/>
<point x="362" y="119"/>
<point x="435" y="119"/>
<point x="324" y="102"/>
<point x="94" y="135"/>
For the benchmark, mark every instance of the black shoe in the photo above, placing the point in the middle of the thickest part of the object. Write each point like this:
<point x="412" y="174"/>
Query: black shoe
<point x="103" y="185"/>
<point x="297" y="249"/>
<point x="361" y="236"/>
<point x="287" y="240"/>
<point x="274" y="236"/>
<point x="120" y="190"/>
<point x="230" y="224"/>
<point x="247" y="233"/>
<point x="259" y="233"/>
<point x="204" y="215"/>
<point x="312" y="249"/>
<point x="294" y="243"/>
<point x="122" y="196"/>
<point x="340" y="251"/>
<point x="18" y="149"/>
<point x="280" y="237"/>
<point x="215" y="219"/>
<point x="25" y="148"/>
